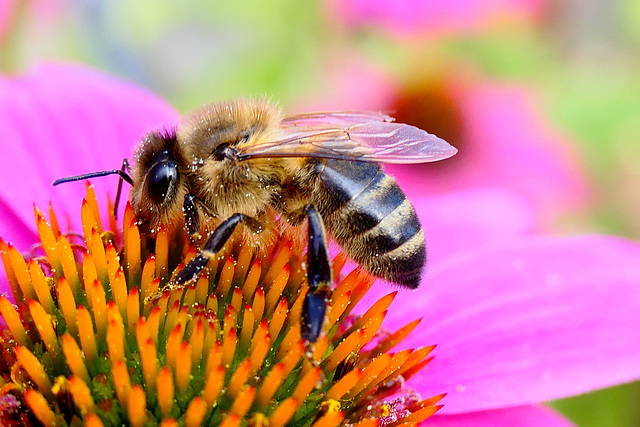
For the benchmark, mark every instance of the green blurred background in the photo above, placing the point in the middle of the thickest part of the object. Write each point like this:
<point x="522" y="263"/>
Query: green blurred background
<point x="579" y="58"/>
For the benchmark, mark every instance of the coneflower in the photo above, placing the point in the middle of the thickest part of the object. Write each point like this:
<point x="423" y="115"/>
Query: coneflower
<point x="93" y="338"/>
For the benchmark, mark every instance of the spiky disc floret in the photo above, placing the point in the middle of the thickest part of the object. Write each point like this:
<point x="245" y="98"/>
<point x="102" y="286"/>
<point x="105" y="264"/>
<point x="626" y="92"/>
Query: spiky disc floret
<point x="95" y="336"/>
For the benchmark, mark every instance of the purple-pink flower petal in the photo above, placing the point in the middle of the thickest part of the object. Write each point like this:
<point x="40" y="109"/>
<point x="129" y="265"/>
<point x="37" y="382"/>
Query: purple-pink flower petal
<point x="61" y="120"/>
<point x="521" y="416"/>
<point x="462" y="220"/>
<point x="428" y="17"/>
<point x="536" y="319"/>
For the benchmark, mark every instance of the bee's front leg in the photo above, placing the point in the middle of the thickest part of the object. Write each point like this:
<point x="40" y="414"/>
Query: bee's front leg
<point x="215" y="243"/>
<point x="319" y="277"/>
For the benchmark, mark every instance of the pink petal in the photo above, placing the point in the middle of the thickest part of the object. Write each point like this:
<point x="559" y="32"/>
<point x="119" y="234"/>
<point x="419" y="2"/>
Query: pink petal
<point x="537" y="319"/>
<point x="463" y="220"/>
<point x="427" y="17"/>
<point x="60" y="120"/>
<point x="6" y="10"/>
<point x="521" y="416"/>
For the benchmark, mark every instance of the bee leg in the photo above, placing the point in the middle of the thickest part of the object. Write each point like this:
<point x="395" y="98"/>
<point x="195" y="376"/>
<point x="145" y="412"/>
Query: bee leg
<point x="125" y="166"/>
<point x="215" y="243"/>
<point x="319" y="276"/>
<point x="191" y="217"/>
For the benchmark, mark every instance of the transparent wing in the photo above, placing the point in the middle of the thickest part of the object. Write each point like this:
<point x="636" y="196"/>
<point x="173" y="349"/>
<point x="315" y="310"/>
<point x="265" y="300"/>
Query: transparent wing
<point x="336" y="117"/>
<point x="361" y="136"/>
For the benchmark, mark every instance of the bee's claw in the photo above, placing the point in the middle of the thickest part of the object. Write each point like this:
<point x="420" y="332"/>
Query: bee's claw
<point x="215" y="243"/>
<point x="191" y="270"/>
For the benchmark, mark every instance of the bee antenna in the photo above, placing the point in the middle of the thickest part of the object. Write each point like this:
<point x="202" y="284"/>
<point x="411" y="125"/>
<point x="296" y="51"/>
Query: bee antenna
<point x="125" y="176"/>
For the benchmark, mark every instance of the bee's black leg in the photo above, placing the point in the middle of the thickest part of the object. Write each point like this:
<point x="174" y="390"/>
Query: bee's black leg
<point x="125" y="167"/>
<point x="210" y="249"/>
<point x="191" y="217"/>
<point x="319" y="276"/>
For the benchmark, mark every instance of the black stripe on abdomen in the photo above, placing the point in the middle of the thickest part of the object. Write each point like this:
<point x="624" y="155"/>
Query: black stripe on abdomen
<point x="371" y="218"/>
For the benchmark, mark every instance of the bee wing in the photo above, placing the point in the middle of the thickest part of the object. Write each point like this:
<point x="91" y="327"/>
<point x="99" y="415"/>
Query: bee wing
<point x="338" y="118"/>
<point x="365" y="137"/>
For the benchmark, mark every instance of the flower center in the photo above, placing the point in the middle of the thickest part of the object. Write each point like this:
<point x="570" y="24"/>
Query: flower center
<point x="99" y="337"/>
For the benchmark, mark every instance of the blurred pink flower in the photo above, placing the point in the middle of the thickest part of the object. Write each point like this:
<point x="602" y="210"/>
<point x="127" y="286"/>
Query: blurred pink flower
<point x="414" y="18"/>
<point x="6" y="9"/>
<point x="517" y="319"/>
<point x="504" y="140"/>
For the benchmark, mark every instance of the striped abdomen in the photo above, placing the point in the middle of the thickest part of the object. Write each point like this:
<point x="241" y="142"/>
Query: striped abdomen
<point x="370" y="217"/>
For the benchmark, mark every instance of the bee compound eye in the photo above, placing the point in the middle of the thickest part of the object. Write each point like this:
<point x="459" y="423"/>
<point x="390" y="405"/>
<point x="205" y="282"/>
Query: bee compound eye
<point x="161" y="180"/>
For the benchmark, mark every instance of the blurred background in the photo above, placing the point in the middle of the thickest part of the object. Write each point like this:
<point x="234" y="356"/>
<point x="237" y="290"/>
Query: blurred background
<point x="541" y="97"/>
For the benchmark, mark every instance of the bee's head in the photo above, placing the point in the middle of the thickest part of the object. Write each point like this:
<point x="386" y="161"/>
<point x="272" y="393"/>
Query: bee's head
<point x="159" y="185"/>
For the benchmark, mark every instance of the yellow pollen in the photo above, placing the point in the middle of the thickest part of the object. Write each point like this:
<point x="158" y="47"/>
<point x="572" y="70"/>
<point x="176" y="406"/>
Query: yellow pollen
<point x="137" y="406"/>
<point x="229" y="347"/>
<point x="19" y="267"/>
<point x="346" y="383"/>
<point x="68" y="262"/>
<point x="243" y="401"/>
<point x="258" y="306"/>
<point x="47" y="235"/>
<point x="92" y="420"/>
<point x="226" y="277"/>
<point x="92" y="201"/>
<point x="41" y="286"/>
<point x="99" y="254"/>
<point x="12" y="318"/>
<point x="213" y="384"/>
<point x="258" y="354"/>
<point x="278" y="317"/>
<point x="195" y="412"/>
<point x="87" y="335"/>
<point x="74" y="359"/>
<point x="89" y="275"/>
<point x="270" y="384"/>
<point x="165" y="391"/>
<point x="45" y="329"/>
<point x="183" y="367"/>
<point x="330" y="419"/>
<point x="149" y="360"/>
<point x="275" y="291"/>
<point x="340" y="353"/>
<point x="239" y="378"/>
<point x="247" y="325"/>
<point x="121" y="382"/>
<point x="232" y="420"/>
<point x="392" y="340"/>
<point x="253" y="277"/>
<point x="197" y="341"/>
<point x="40" y="407"/>
<point x="81" y="395"/>
<point x="31" y="364"/>
<point x="306" y="384"/>
<point x="133" y="253"/>
<point x="162" y="251"/>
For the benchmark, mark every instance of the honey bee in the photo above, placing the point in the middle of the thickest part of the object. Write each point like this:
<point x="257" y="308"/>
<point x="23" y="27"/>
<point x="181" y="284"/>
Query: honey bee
<point x="242" y="158"/>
